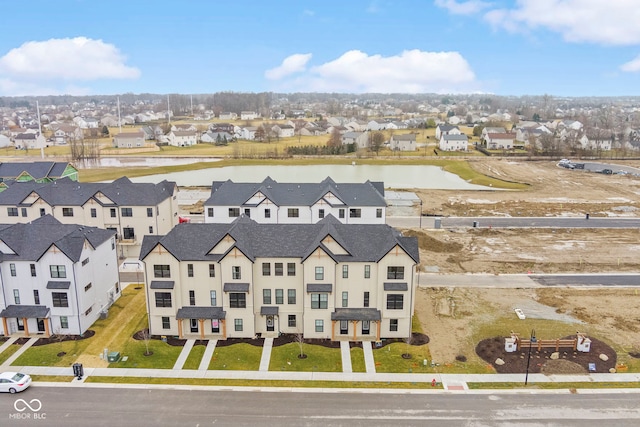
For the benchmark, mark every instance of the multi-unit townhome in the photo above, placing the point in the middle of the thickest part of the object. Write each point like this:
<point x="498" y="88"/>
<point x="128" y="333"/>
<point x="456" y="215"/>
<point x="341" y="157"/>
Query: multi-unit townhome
<point x="130" y="209"/>
<point x="326" y="280"/>
<point x="296" y="203"/>
<point x="55" y="278"/>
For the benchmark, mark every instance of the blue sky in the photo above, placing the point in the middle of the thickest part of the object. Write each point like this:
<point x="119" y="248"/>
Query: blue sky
<point x="505" y="47"/>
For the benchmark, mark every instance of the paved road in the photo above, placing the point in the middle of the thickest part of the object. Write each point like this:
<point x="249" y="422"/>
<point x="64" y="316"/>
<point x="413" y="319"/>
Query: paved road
<point x="588" y="280"/>
<point x="428" y="280"/>
<point x="541" y="222"/>
<point x="151" y="406"/>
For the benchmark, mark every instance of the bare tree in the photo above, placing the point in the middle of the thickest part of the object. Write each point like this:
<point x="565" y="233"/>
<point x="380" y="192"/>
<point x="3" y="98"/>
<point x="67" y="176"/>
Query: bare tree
<point x="407" y="341"/>
<point x="300" y="341"/>
<point x="146" y="338"/>
<point x="377" y="141"/>
<point x="335" y="140"/>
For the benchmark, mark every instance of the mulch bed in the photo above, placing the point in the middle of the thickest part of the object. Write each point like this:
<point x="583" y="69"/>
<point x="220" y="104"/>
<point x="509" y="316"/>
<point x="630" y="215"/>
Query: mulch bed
<point x="60" y="338"/>
<point x="570" y="362"/>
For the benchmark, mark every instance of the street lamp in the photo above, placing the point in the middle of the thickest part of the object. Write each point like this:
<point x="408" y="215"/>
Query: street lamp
<point x="531" y="342"/>
<point x="420" y="213"/>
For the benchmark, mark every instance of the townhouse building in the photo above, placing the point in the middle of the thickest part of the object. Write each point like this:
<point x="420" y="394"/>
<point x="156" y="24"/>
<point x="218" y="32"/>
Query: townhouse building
<point x="55" y="278"/>
<point x="130" y="209"/>
<point x="271" y="202"/>
<point x="327" y="280"/>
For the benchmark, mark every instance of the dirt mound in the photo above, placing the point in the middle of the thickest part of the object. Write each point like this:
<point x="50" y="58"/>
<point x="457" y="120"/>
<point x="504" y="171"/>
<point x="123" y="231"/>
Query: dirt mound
<point x="431" y="244"/>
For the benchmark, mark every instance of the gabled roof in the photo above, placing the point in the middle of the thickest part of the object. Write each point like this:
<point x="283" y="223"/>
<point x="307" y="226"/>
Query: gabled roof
<point x="362" y="242"/>
<point x="37" y="170"/>
<point x="229" y="193"/>
<point x="30" y="241"/>
<point x="65" y="192"/>
<point x="449" y="137"/>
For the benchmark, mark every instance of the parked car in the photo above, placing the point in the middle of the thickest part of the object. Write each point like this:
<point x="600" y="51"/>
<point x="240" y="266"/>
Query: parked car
<point x="13" y="382"/>
<point x="607" y="171"/>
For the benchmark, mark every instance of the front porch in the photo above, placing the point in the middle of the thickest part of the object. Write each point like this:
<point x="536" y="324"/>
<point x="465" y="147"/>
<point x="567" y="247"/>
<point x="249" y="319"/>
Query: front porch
<point x="15" y="320"/>
<point x="347" y="322"/>
<point x="198" y="318"/>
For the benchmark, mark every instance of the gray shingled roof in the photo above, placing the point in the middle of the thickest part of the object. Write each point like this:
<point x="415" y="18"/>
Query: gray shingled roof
<point x="38" y="170"/>
<point x="392" y="286"/>
<point x="195" y="312"/>
<point x="370" y="314"/>
<point x="268" y="311"/>
<point x="319" y="287"/>
<point x="449" y="137"/>
<point x="30" y="241"/>
<point x="162" y="284"/>
<point x="65" y="192"/>
<point x="235" y="287"/>
<point x="51" y="284"/>
<point x="26" y="311"/>
<point x="363" y="242"/>
<point x="231" y="193"/>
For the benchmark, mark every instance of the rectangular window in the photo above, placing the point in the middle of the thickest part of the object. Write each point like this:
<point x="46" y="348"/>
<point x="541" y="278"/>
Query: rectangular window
<point x="150" y="212"/>
<point x="395" y="272"/>
<point x="12" y="268"/>
<point x="85" y="261"/>
<point x="94" y="213"/>
<point x="189" y="270"/>
<point x="67" y="211"/>
<point x="60" y="299"/>
<point x="86" y="313"/>
<point x="291" y="269"/>
<point x="345" y="271"/>
<point x="266" y="269"/>
<point x="319" y="273"/>
<point x="234" y="212"/>
<point x="319" y="300"/>
<point x="341" y="213"/>
<point x="16" y="296"/>
<point x="379" y="213"/>
<point x="112" y="212"/>
<point x="163" y="299"/>
<point x="192" y="297"/>
<point x="291" y="296"/>
<point x="366" y="300"/>
<point x="394" y="301"/>
<point x="23" y="212"/>
<point x="210" y="212"/>
<point x="43" y="212"/>
<point x="320" y="213"/>
<point x="393" y="325"/>
<point x="58" y="271"/>
<point x="235" y="272"/>
<point x="279" y="296"/>
<point x="266" y="296"/>
<point x="33" y="270"/>
<point x="12" y="211"/>
<point x="247" y="212"/>
<point x="293" y="212"/>
<point x="150" y="229"/>
<point x="238" y="300"/>
<point x="345" y="299"/>
<point x="126" y="212"/>
<point x="292" y="320"/>
<point x="319" y="325"/>
<point x="267" y="213"/>
<point x="64" y="322"/>
<point x="212" y="270"/>
<point x="214" y="298"/>
<point x="86" y="288"/>
<point x="161" y="270"/>
<point x="367" y="271"/>
<point x="355" y="213"/>
<point x="166" y="323"/>
<point x="279" y="269"/>
<point x="36" y="297"/>
<point x="237" y="324"/>
<point x="128" y="233"/>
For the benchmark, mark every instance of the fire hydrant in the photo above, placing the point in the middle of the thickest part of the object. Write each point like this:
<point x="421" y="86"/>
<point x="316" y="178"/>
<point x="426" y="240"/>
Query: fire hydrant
<point x="433" y="382"/>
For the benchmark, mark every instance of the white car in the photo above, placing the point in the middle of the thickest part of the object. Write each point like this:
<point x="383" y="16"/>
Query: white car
<point x="13" y="382"/>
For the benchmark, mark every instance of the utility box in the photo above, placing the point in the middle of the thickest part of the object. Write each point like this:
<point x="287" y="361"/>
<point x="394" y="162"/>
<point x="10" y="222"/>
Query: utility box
<point x="437" y="223"/>
<point x="78" y="370"/>
<point x="510" y="345"/>
<point x="114" y="356"/>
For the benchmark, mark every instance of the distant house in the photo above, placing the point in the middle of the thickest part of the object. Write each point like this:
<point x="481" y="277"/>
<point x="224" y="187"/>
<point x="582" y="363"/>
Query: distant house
<point x="488" y="129"/>
<point x="500" y="141"/>
<point x="227" y="116"/>
<point x="37" y="171"/>
<point x="182" y="138"/>
<point x="216" y="137"/>
<point x="185" y="127"/>
<point x="248" y="115"/>
<point x="29" y="141"/>
<point x="64" y="134"/>
<point x="248" y="133"/>
<point x="447" y="130"/>
<point x="284" y="131"/>
<point x="359" y="138"/>
<point x="222" y="127"/>
<point x="453" y="142"/>
<point x="129" y="139"/>
<point x="376" y="125"/>
<point x="403" y="142"/>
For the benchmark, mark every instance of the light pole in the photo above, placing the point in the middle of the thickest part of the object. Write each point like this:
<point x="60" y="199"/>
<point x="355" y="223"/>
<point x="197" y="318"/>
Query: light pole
<point x="531" y="342"/>
<point x="420" y="213"/>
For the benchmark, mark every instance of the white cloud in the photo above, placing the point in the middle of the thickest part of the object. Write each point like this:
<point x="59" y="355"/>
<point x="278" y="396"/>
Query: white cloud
<point x="308" y="12"/>
<point x="291" y="64"/>
<point x="611" y="22"/>
<point x="632" y="66"/>
<point x="413" y="71"/>
<point x="464" y="7"/>
<point x="52" y="66"/>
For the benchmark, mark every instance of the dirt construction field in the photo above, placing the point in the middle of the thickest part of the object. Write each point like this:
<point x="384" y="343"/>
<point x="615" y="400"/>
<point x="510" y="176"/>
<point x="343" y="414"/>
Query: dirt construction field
<point x="457" y="319"/>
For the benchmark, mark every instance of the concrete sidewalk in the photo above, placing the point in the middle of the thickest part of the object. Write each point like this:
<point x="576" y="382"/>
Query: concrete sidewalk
<point x="18" y="353"/>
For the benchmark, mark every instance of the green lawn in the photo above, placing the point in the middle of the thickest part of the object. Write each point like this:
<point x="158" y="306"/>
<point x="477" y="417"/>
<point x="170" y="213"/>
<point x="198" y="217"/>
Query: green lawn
<point x="319" y="358"/>
<point x="239" y="357"/>
<point x="164" y="355"/>
<point x="8" y="352"/>
<point x="389" y="358"/>
<point x="195" y="356"/>
<point x="55" y="354"/>
<point x="357" y="360"/>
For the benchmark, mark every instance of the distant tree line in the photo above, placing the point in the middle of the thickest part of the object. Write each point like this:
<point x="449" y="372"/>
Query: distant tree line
<point x="322" y="150"/>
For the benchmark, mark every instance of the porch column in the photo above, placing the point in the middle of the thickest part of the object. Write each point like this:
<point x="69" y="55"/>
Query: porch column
<point x="379" y="322"/>
<point x="201" y="321"/>
<point x="333" y="330"/>
<point x="26" y="326"/>
<point x="180" y="328"/>
<point x="47" y="331"/>
<point x="4" y="326"/>
<point x="224" y="328"/>
<point x="355" y="328"/>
